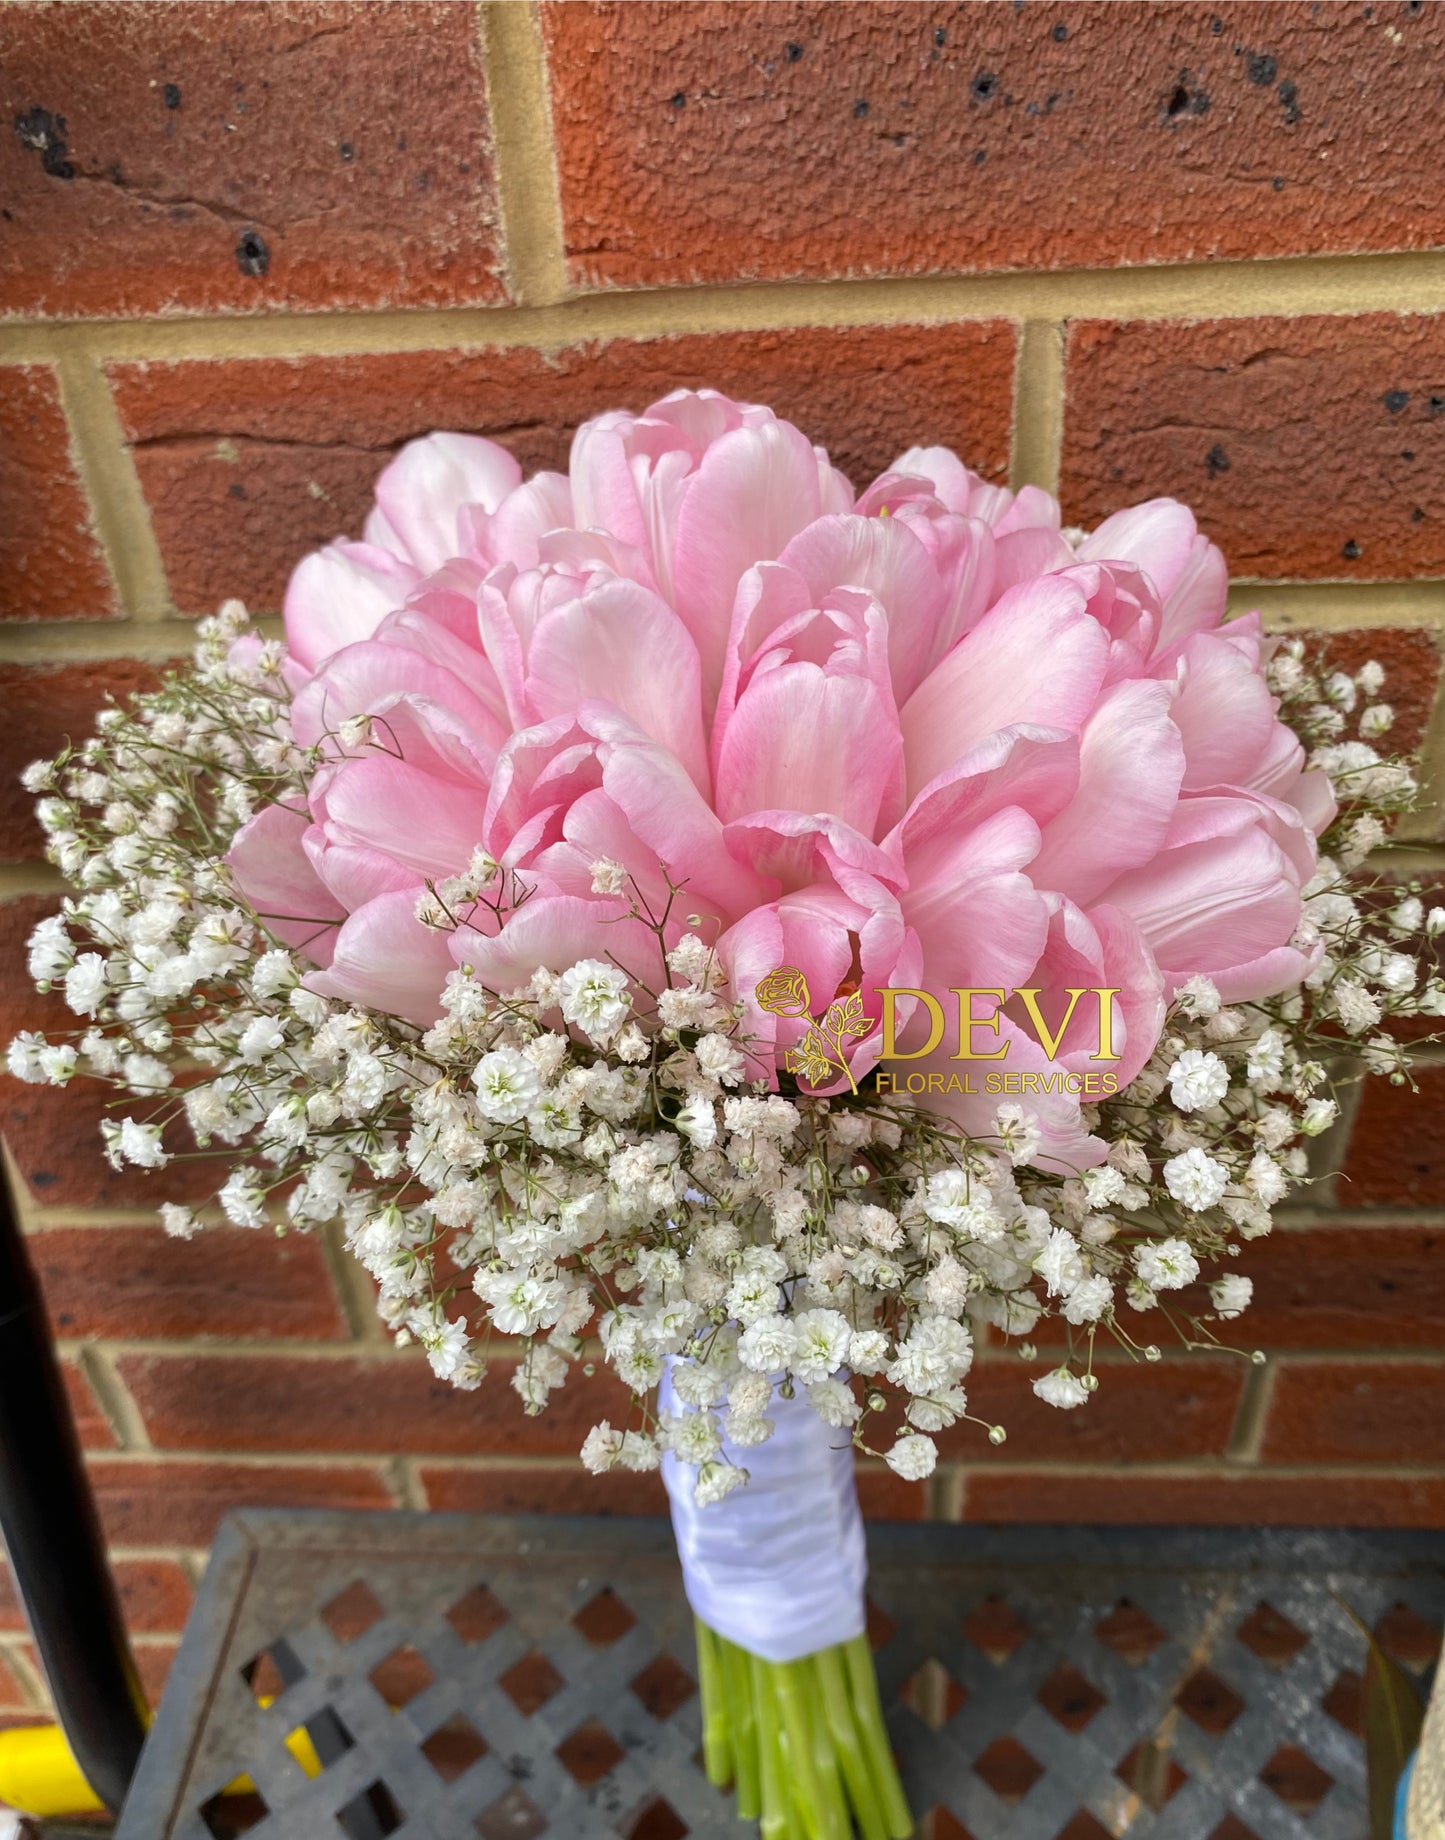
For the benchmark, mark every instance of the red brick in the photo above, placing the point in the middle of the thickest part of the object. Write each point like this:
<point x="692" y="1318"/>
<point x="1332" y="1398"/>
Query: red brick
<point x="1345" y="1286"/>
<point x="46" y="705"/>
<point x="154" y="1593"/>
<point x="1397" y="1145"/>
<point x="563" y="1489"/>
<point x="155" y="1502"/>
<point x="93" y="1428"/>
<point x="1412" y="674"/>
<point x="1356" y="1412"/>
<point x="712" y="142"/>
<point x="51" y="567"/>
<point x="1222" y="1498"/>
<point x="1308" y="447"/>
<point x="210" y="157"/>
<point x="136" y="1283"/>
<point x="566" y="1488"/>
<point x="248" y="463"/>
<point x="13" y="1695"/>
<point x="1143" y="1414"/>
<point x="152" y="1659"/>
<point x="53" y="1133"/>
<point x="384" y="1405"/>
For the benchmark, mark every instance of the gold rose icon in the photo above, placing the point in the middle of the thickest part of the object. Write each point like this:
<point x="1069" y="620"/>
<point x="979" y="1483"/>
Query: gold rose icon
<point x="821" y="1054"/>
<point x="784" y="992"/>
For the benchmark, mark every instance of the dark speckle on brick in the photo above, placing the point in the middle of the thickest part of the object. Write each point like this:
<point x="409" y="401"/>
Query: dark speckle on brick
<point x="940" y="36"/>
<point x="252" y="255"/>
<point x="678" y="99"/>
<point x="1437" y="405"/>
<point x="1060" y="33"/>
<point x="1395" y="400"/>
<point x="792" y="52"/>
<point x="1261" y="68"/>
<point x="1417" y="516"/>
<point x="44" y="134"/>
<point x="1216" y="459"/>
<point x="1276" y="185"/>
<point x="1289" y="97"/>
<point x="346" y="150"/>
<point x="1407" y="453"/>
<point x="980" y="154"/>
<point x="1185" y="101"/>
<point x="1216" y="26"/>
<point x="172" y="95"/>
<point x="984" y="87"/>
<point x="236" y="489"/>
<point x="860" y="108"/>
<point x="1351" y="551"/>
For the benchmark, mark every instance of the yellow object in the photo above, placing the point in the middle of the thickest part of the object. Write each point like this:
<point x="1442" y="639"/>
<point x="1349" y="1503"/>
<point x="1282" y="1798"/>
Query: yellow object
<point x="39" y="1774"/>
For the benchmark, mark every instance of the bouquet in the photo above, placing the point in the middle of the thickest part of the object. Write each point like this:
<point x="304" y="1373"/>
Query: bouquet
<point x="685" y="913"/>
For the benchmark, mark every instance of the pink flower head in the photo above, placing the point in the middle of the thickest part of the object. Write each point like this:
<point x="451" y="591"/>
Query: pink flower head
<point x="924" y="741"/>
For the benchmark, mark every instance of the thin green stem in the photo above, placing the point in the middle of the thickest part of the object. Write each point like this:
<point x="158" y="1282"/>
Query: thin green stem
<point x="842" y="1726"/>
<point x="868" y="1712"/>
<point x="737" y="1675"/>
<point x="717" y="1749"/>
<point x="775" y="1823"/>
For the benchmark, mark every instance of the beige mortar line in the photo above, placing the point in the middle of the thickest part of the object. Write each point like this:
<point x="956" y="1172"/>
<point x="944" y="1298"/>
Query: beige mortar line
<point x="1246" y="1436"/>
<point x="94" y="641"/>
<point x="1299" y="606"/>
<point x="353" y="1293"/>
<point x="30" y="1677"/>
<point x="108" y="476"/>
<point x="29" y="878"/>
<point x="525" y="158"/>
<point x="120" y="1409"/>
<point x="1423" y="824"/>
<point x="1273" y="288"/>
<point x="404" y="1482"/>
<point x="1038" y="405"/>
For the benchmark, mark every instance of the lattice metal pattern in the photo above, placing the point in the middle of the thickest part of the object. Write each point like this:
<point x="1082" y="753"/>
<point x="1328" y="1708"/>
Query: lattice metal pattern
<point x="519" y="1677"/>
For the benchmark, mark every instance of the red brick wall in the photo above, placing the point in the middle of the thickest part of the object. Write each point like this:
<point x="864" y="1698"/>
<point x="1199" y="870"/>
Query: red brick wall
<point x="1115" y="248"/>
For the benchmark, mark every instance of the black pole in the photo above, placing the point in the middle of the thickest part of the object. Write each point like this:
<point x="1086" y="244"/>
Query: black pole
<point x="51" y="1531"/>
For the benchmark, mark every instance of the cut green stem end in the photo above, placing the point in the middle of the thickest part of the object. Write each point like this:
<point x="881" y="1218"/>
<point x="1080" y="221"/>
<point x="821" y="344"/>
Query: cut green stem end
<point x="803" y="1741"/>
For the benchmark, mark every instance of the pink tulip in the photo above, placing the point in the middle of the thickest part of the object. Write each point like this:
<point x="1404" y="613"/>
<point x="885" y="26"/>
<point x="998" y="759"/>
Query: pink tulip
<point x="926" y="740"/>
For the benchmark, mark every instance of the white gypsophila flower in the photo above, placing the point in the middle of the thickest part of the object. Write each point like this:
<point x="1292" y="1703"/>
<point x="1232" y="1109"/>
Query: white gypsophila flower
<point x="1061" y="1388"/>
<point x="1088" y="1300"/>
<point x="692" y="1437"/>
<point x="141" y="1144"/>
<point x="86" y="984"/>
<point x="1197" y="1080"/>
<point x="1104" y="1186"/>
<point x="601" y="1448"/>
<point x="1318" y="1116"/>
<point x="507" y="1085"/>
<point x="1019" y="1133"/>
<point x="867" y="1351"/>
<point x="520" y="1303"/>
<point x="594" y="997"/>
<point x="51" y="953"/>
<point x="697" y="1121"/>
<point x="699" y="1384"/>
<point x="716" y="1481"/>
<point x="822" y="1344"/>
<point x="58" y="1064"/>
<point x="243" y="1200"/>
<point x="23" y="1057"/>
<point x="1265" y="1179"/>
<point x="718" y="1059"/>
<point x="1264" y="1065"/>
<point x="179" y="1222"/>
<point x="1357" y="1008"/>
<point x="766" y="1346"/>
<point x="261" y="1036"/>
<point x="913" y="1457"/>
<point x="1231" y="1295"/>
<point x="1059" y="1264"/>
<point x="834" y="1403"/>
<point x="745" y="1430"/>
<point x="1407" y="916"/>
<point x="608" y="877"/>
<point x="1166" y="1264"/>
<point x="1195" y="1179"/>
<point x="1199" y="998"/>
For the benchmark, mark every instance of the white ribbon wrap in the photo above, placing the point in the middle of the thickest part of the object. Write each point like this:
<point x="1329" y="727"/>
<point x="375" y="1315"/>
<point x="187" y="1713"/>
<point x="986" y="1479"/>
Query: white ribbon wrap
<point x="778" y="1566"/>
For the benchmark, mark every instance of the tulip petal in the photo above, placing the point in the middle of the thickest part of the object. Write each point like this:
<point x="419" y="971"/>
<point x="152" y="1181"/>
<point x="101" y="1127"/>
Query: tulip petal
<point x="274" y="873"/>
<point x="385" y="959"/>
